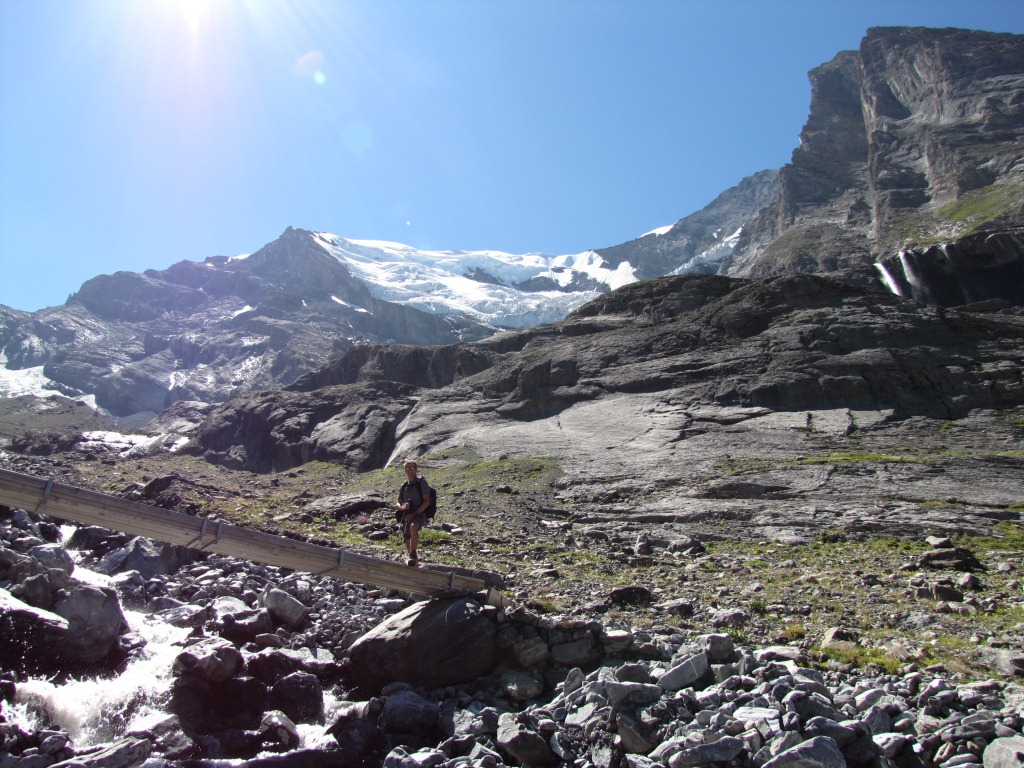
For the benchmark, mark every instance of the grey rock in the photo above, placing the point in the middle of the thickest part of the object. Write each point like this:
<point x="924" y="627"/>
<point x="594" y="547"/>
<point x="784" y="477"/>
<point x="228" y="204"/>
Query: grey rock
<point x="574" y="652"/>
<point x="686" y="672"/>
<point x="720" y="648"/>
<point x="440" y="642"/>
<point x="284" y="608"/>
<point x="53" y="556"/>
<point x="636" y="737"/>
<point x="620" y="694"/>
<point x="127" y="753"/>
<point x="1004" y="753"/>
<point x="521" y="686"/>
<point x="408" y="712"/>
<point x="817" y="752"/>
<point x="720" y="751"/>
<point x="94" y="623"/>
<point x="1005" y="661"/>
<point x="299" y="696"/>
<point x="890" y="744"/>
<point x="213" y="660"/>
<point x="147" y="557"/>
<point x="31" y="635"/>
<point x="810" y="705"/>
<point x="526" y="746"/>
<point x="840" y="637"/>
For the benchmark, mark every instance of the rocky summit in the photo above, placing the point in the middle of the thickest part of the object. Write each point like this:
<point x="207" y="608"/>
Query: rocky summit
<point x="909" y="159"/>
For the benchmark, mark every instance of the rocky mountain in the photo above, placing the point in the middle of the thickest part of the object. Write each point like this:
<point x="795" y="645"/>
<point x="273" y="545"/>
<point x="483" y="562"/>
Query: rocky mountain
<point x="911" y="157"/>
<point x="701" y="241"/>
<point x="909" y="163"/>
<point x="139" y="342"/>
<point x="677" y="369"/>
<point x="908" y="175"/>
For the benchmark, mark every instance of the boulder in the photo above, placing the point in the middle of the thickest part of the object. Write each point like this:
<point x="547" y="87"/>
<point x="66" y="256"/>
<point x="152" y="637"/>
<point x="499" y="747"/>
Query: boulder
<point x="1007" y="752"/>
<point x="95" y="622"/>
<point x="148" y="557"/>
<point x="686" y="672"/>
<point x="53" y="556"/>
<point x="126" y="753"/>
<point x="299" y="696"/>
<point x="817" y="752"/>
<point x="525" y="745"/>
<point x="284" y="608"/>
<point x="408" y="712"/>
<point x="435" y="643"/>
<point x="30" y="635"/>
<point x="213" y="660"/>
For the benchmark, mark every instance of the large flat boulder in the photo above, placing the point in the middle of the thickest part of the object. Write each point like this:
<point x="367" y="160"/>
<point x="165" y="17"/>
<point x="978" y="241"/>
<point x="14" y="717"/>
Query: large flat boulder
<point x="436" y="643"/>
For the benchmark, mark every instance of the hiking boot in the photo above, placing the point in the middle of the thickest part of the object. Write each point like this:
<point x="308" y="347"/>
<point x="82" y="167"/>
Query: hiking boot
<point x="414" y="562"/>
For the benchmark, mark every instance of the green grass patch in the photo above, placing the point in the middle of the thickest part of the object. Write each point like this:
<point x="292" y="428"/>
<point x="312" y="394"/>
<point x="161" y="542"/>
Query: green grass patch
<point x="971" y="212"/>
<point x="1008" y="536"/>
<point x="858" y="457"/>
<point x="793" y="632"/>
<point x="861" y="658"/>
<point x="982" y="206"/>
<point x="758" y="605"/>
<point x="434" y="536"/>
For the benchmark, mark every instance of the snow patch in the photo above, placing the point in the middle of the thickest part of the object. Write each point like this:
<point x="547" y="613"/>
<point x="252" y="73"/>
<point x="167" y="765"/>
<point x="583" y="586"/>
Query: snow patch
<point x="32" y="381"/>
<point x="709" y="258"/>
<point x="659" y="231"/>
<point x="350" y="305"/>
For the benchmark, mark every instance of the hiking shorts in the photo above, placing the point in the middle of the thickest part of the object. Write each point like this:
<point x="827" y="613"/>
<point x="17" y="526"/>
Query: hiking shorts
<point x="419" y="520"/>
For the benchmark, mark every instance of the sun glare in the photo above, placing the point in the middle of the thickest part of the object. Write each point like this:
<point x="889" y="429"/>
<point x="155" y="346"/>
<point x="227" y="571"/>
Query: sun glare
<point x="194" y="12"/>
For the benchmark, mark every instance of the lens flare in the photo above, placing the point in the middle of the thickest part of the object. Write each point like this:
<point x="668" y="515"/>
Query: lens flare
<point x="311" y="65"/>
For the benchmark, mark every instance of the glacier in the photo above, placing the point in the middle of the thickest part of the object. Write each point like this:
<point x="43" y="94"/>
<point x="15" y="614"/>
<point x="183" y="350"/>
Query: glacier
<point x="488" y="285"/>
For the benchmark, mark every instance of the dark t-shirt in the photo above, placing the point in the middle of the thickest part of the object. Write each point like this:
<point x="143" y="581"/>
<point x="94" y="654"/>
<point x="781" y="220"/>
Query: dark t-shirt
<point x="412" y="493"/>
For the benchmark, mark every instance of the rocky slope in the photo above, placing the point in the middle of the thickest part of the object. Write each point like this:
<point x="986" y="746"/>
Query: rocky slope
<point x="649" y="366"/>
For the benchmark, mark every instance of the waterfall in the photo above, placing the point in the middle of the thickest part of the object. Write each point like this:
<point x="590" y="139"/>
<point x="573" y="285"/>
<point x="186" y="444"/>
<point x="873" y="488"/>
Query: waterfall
<point x="917" y="286"/>
<point x="888" y="279"/>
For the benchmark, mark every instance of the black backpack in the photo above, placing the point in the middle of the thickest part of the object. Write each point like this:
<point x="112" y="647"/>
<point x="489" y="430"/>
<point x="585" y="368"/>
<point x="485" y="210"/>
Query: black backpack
<point x="431" y="509"/>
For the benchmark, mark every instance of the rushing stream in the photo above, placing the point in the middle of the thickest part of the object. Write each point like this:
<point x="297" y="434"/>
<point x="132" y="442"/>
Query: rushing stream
<point x="101" y="709"/>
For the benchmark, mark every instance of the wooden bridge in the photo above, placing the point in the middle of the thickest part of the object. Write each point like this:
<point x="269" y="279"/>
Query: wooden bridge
<point x="79" y="505"/>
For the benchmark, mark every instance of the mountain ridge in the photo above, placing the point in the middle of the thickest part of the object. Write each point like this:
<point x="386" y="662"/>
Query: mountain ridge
<point x="908" y="176"/>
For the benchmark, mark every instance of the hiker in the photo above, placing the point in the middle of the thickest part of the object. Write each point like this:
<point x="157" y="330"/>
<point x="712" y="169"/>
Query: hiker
<point x="413" y="501"/>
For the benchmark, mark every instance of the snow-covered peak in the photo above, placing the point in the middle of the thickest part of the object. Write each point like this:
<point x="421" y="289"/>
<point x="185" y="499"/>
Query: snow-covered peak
<point x="507" y="290"/>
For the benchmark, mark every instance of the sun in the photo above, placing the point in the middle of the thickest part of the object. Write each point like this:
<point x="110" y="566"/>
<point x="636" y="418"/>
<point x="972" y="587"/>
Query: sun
<point x="194" y="13"/>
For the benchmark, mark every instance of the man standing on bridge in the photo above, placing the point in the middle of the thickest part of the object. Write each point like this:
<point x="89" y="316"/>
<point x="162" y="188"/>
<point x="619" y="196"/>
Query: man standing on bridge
<point x="413" y="500"/>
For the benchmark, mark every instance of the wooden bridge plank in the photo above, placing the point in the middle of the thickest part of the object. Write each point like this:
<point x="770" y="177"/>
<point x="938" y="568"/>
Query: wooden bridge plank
<point x="81" y="505"/>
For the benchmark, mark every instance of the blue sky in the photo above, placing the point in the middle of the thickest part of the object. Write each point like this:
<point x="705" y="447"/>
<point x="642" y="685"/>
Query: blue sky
<point x="137" y="133"/>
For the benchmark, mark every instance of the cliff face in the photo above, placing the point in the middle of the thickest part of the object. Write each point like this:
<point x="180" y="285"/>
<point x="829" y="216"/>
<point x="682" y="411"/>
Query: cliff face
<point x="915" y="139"/>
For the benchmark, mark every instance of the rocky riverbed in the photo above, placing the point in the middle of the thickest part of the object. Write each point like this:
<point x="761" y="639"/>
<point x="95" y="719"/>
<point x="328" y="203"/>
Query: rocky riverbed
<point x="623" y="641"/>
